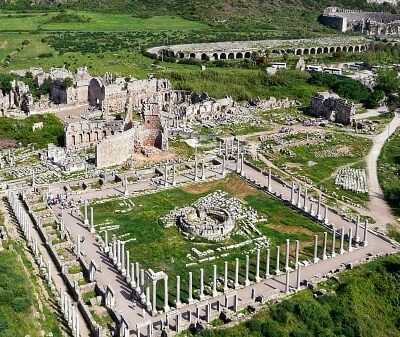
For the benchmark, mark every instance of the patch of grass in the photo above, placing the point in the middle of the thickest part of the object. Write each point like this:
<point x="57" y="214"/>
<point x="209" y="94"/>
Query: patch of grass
<point x="18" y="301"/>
<point x="389" y="172"/>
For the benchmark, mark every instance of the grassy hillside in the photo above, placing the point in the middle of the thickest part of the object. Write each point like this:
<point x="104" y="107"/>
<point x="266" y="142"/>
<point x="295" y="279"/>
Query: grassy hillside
<point x="364" y="302"/>
<point x="235" y="14"/>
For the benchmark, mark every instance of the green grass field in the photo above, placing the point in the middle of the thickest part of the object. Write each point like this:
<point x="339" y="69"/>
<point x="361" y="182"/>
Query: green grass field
<point x="166" y="249"/>
<point x="308" y="162"/>
<point x="91" y="21"/>
<point x="389" y="172"/>
<point x="18" y="301"/>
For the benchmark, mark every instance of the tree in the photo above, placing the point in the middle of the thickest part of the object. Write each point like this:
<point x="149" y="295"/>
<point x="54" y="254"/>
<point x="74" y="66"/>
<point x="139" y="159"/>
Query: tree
<point x="387" y="81"/>
<point x="5" y="83"/>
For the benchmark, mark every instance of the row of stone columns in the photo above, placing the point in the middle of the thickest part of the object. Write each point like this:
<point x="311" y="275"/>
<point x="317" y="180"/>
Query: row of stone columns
<point x="69" y="310"/>
<point x="166" y="179"/>
<point x="86" y="220"/>
<point x="229" y="147"/>
<point x="20" y="215"/>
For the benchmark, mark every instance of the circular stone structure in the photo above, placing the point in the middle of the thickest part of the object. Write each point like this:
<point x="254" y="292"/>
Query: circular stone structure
<point x="211" y="223"/>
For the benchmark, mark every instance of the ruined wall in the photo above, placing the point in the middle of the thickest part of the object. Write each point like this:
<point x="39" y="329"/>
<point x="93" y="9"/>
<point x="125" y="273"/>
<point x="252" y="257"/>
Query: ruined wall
<point x="332" y="107"/>
<point x="116" y="150"/>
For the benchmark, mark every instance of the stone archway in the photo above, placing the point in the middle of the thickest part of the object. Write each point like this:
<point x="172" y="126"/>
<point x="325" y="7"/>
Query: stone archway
<point x="239" y="55"/>
<point x="192" y="55"/>
<point x="338" y="49"/>
<point x="215" y="55"/>
<point x="299" y="52"/>
<point x="96" y="93"/>
<point x="231" y="56"/>
<point x="306" y="51"/>
<point x="312" y="51"/>
<point x="223" y="56"/>
<point x="332" y="49"/>
<point x="319" y="50"/>
<point x="204" y="57"/>
<point x="247" y="55"/>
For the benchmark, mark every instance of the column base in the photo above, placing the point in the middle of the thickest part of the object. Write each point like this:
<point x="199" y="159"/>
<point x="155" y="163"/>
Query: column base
<point x="236" y="286"/>
<point x="341" y="251"/>
<point x="258" y="279"/>
<point x="154" y="312"/>
<point x="166" y="185"/>
<point x="174" y="183"/>
<point x="202" y="297"/>
<point x="333" y="254"/>
<point x="106" y="249"/>
<point x="190" y="301"/>
<point x="178" y="304"/>
<point x="326" y="221"/>
<point x="92" y="230"/>
<point x="306" y="209"/>
<point x="364" y="243"/>
<point x="246" y="283"/>
<point x="215" y="294"/>
<point x="324" y="257"/>
<point x="226" y="290"/>
<point x="315" y="260"/>
<point x="167" y="308"/>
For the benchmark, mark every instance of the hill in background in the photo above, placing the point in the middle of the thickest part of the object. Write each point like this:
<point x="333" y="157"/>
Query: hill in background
<point x="229" y="14"/>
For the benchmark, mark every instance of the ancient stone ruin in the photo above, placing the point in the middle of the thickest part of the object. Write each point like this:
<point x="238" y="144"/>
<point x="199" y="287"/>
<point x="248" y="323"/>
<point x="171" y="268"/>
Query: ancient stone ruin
<point x="332" y="107"/>
<point x="212" y="217"/>
<point x="371" y="23"/>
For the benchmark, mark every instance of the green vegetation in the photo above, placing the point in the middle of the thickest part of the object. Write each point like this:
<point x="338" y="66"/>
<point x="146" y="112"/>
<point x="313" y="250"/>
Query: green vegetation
<point x="389" y="172"/>
<point x="364" y="302"/>
<point x="18" y="301"/>
<point x="319" y="160"/>
<point x="21" y="130"/>
<point x="166" y="249"/>
<point x="244" y="84"/>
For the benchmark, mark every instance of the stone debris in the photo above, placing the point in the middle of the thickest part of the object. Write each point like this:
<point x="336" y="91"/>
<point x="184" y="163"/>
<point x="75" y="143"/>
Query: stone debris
<point x="352" y="179"/>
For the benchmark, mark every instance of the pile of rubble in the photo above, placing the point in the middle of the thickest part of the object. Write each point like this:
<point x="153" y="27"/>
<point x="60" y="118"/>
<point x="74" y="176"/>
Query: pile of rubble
<point x="352" y="179"/>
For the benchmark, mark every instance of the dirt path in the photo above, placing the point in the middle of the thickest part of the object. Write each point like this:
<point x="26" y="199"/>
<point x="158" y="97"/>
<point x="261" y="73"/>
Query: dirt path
<point x="377" y="205"/>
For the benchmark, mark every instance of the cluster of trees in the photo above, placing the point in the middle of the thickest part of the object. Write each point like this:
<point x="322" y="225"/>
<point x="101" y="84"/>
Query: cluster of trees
<point x="387" y="83"/>
<point x="21" y="130"/>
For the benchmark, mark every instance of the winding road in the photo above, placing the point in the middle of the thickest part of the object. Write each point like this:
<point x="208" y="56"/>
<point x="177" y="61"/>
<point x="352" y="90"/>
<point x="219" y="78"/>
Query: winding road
<point x="379" y="208"/>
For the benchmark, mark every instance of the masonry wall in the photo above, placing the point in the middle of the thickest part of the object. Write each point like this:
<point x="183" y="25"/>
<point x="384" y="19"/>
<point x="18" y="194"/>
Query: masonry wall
<point x="115" y="150"/>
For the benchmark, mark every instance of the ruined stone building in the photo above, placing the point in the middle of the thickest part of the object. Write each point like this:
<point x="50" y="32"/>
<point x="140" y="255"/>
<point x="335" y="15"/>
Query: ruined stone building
<point x="18" y="98"/>
<point x="332" y="107"/>
<point x="371" y="23"/>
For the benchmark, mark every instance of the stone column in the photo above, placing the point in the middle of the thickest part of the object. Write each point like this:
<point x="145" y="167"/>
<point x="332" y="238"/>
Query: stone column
<point x="324" y="256"/>
<point x="86" y="220"/>
<point x="190" y="292"/>
<point x="316" y="248"/>
<point x="341" y="240"/>
<point x="312" y="209"/>
<point x="269" y="180"/>
<point x="106" y="248"/>
<point x="178" y="291"/>
<point x="242" y="163"/>
<point x="133" y="279"/>
<point x="326" y="214"/>
<point x="225" y="276"/>
<point x="246" y="280"/>
<point x="201" y="284"/>
<point x="214" y="290"/>
<point x="297" y="254"/>
<point x="258" y="266"/>
<point x="166" y="305"/>
<point x="126" y="191"/>
<point x="123" y="270"/>
<point x="195" y="168"/>
<point x="333" y="251"/>
<point x="203" y="172"/>
<point x="119" y="254"/>
<point x="154" y="298"/>
<point x="305" y="207"/>
<point x="292" y="194"/>
<point x="226" y="147"/>
<point x="350" y="239"/>
<point x="287" y="286"/>
<point x="138" y="290"/>
<point x="277" y="270"/>
<point x="299" y="196"/>
<point x="365" y="241"/>
<point x="173" y="174"/>
<point x="115" y="259"/>
<point x="92" y="230"/>
<point x="220" y="148"/>
<point x="298" y="278"/>
<point x="166" y="175"/>
<point x="287" y="254"/>
<point x="238" y="163"/>
<point x="49" y="271"/>
<point x="319" y="207"/>
<point x="357" y="238"/>
<point x="236" y="273"/>
<point x="267" y="274"/>
<point x="127" y="265"/>
<point x="223" y="172"/>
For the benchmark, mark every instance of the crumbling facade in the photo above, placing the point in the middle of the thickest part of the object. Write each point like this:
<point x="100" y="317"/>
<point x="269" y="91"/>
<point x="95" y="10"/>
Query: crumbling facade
<point x="371" y="23"/>
<point x="332" y="107"/>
